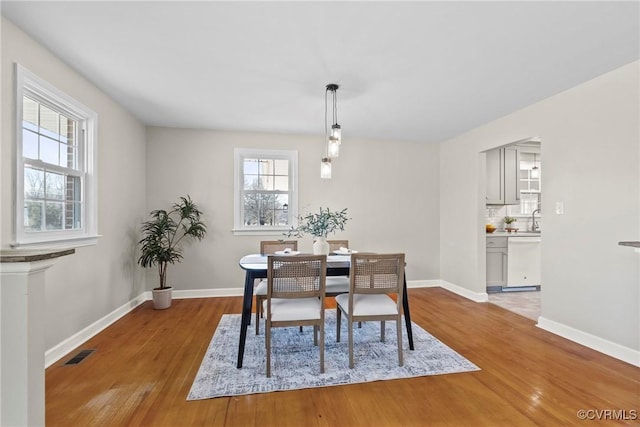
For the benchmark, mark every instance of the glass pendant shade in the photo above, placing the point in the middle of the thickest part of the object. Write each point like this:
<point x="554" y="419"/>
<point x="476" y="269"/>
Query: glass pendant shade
<point x="336" y="132"/>
<point x="535" y="172"/>
<point x="333" y="147"/>
<point x="325" y="168"/>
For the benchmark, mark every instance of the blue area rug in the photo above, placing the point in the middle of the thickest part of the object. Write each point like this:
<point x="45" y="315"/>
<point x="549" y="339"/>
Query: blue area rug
<point x="295" y="362"/>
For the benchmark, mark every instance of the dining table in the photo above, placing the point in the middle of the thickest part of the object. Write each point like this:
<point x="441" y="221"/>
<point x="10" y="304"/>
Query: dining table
<point x="255" y="267"/>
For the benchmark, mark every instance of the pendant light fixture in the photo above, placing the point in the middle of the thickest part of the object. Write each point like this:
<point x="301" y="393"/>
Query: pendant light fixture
<point x="535" y="171"/>
<point x="334" y="136"/>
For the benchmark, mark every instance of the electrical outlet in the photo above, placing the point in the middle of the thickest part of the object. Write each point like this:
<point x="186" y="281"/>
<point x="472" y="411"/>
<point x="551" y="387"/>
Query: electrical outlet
<point x="559" y="208"/>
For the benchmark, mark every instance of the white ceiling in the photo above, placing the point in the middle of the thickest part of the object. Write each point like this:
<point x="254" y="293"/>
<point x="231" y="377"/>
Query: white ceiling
<point x="421" y="71"/>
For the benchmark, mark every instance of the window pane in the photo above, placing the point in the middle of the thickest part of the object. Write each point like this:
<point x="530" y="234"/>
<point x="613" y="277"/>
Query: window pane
<point x="33" y="215"/>
<point x="49" y="150"/>
<point x="53" y="215"/>
<point x="266" y="167"/>
<point x="29" y="114"/>
<point x="54" y="186"/>
<point x="282" y="167"/>
<point x="266" y="183"/>
<point x="72" y="216"/>
<point x="282" y="183"/>
<point x="251" y="182"/>
<point x="68" y="156"/>
<point x="29" y="144"/>
<point x="250" y="166"/>
<point x="282" y="209"/>
<point x="49" y="122"/>
<point x="73" y="189"/>
<point x="33" y="183"/>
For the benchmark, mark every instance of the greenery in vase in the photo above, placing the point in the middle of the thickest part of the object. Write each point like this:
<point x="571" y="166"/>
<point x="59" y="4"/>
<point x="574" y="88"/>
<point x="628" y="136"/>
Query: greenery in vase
<point x="509" y="220"/>
<point x="164" y="232"/>
<point x="320" y="224"/>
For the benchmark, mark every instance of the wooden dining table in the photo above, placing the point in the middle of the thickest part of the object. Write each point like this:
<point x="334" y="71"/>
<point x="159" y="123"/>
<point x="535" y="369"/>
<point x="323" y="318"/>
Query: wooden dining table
<point x="255" y="267"/>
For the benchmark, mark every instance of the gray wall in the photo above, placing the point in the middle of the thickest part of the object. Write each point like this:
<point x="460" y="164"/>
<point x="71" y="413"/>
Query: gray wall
<point x="391" y="189"/>
<point x="84" y="287"/>
<point x="591" y="149"/>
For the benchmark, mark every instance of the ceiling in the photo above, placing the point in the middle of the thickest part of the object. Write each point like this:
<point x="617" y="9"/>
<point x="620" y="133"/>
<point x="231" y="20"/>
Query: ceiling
<point x="417" y="71"/>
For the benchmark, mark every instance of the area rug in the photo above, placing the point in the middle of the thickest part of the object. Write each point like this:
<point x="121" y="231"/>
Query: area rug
<point x="295" y="360"/>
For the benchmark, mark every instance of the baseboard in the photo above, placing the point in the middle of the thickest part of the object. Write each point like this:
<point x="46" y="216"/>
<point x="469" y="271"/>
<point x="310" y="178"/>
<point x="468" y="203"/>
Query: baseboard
<point x="206" y="293"/>
<point x="57" y="352"/>
<point x="464" y="292"/>
<point x="609" y="348"/>
<point x="422" y="283"/>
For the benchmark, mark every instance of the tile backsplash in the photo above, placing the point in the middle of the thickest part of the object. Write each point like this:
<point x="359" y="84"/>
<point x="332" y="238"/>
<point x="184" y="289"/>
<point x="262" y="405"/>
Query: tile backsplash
<point x="495" y="214"/>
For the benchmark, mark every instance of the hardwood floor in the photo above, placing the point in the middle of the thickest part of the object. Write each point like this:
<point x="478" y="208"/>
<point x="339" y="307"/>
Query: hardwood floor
<point x="144" y="365"/>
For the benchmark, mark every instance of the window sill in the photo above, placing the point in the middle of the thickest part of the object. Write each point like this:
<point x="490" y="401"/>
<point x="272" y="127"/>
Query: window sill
<point x="59" y="243"/>
<point x="260" y="232"/>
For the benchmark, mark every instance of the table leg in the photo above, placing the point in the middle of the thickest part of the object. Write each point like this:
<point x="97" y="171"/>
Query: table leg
<point x="246" y="314"/>
<point x="407" y="314"/>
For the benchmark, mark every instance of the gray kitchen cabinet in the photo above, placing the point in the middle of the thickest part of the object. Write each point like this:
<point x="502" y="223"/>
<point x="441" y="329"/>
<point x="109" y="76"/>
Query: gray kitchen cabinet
<point x="497" y="254"/>
<point x="503" y="176"/>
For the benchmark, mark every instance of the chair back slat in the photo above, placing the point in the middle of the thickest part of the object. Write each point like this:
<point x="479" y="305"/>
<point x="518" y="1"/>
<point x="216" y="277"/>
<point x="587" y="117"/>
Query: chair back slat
<point x="335" y="245"/>
<point x="268" y="247"/>
<point x="377" y="273"/>
<point x="297" y="276"/>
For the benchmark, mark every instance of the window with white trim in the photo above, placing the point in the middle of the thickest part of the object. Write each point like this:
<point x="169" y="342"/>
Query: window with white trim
<point x="56" y="161"/>
<point x="265" y="190"/>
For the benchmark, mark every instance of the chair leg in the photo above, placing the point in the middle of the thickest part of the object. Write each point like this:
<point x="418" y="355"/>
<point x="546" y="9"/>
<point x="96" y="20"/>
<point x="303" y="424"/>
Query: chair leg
<point x="382" y="331"/>
<point x="399" y="327"/>
<point x="322" y="348"/>
<point x="338" y="320"/>
<point x="315" y="334"/>
<point x="257" y="315"/>
<point x="267" y="340"/>
<point x="350" y="323"/>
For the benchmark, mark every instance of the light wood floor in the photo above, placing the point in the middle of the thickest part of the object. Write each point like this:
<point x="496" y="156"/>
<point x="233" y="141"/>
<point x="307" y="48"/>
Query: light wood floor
<point x="144" y="365"/>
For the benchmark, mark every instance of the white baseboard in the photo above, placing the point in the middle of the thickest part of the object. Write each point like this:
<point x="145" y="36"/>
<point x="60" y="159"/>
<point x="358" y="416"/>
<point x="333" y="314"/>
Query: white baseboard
<point x="57" y="352"/>
<point x="423" y="283"/>
<point x="609" y="348"/>
<point x="206" y="293"/>
<point x="464" y="292"/>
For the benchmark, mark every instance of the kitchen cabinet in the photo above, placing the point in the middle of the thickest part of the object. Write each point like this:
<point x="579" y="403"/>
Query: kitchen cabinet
<point x="497" y="253"/>
<point x="503" y="176"/>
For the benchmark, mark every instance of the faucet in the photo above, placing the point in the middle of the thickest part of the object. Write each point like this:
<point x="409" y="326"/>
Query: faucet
<point x="534" y="225"/>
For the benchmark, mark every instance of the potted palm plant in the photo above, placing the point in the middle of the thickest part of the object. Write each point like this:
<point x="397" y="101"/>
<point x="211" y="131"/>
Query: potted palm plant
<point x="319" y="225"/>
<point x="161" y="243"/>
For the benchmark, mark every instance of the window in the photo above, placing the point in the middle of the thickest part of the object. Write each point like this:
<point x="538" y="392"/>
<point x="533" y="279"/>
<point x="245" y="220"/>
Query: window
<point x="529" y="186"/>
<point x="265" y="191"/>
<point x="55" y="173"/>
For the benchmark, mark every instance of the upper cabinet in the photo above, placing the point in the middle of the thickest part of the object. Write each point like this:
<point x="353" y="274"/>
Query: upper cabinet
<point x="503" y="176"/>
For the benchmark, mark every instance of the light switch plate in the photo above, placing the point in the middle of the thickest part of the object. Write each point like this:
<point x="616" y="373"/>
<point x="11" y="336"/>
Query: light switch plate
<point x="559" y="208"/>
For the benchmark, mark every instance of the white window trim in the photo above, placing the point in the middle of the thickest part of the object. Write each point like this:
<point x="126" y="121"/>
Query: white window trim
<point x="239" y="154"/>
<point x="31" y="84"/>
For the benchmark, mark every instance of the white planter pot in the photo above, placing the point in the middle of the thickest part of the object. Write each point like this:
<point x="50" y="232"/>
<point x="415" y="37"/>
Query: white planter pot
<point x="161" y="298"/>
<point x="321" y="246"/>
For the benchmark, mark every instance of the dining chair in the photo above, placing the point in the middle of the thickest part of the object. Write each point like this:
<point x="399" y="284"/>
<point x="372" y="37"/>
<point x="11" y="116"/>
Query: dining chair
<point x="269" y="247"/>
<point x="337" y="284"/>
<point x="295" y="297"/>
<point x="374" y="279"/>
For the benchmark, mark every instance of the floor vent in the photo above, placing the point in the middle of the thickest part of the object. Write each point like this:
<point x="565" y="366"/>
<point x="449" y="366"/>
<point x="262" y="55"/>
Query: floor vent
<point x="79" y="357"/>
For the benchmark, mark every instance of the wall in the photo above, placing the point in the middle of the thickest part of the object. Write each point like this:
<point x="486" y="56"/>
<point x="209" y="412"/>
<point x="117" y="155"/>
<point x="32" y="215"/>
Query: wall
<point x="391" y="189"/>
<point x="84" y="287"/>
<point x="591" y="146"/>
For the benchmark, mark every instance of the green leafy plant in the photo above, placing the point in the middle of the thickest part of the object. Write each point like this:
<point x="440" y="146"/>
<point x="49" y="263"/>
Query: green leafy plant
<point x="509" y="220"/>
<point x="164" y="233"/>
<point x="320" y="224"/>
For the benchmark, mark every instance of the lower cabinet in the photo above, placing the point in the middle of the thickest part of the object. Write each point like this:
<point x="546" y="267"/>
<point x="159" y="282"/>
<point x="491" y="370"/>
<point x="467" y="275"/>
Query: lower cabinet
<point x="497" y="261"/>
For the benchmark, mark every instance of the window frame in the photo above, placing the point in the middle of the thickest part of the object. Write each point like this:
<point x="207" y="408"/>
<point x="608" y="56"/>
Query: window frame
<point x="30" y="85"/>
<point x="238" y="190"/>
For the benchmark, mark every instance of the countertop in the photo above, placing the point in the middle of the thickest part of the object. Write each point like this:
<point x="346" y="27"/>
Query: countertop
<point x="498" y="233"/>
